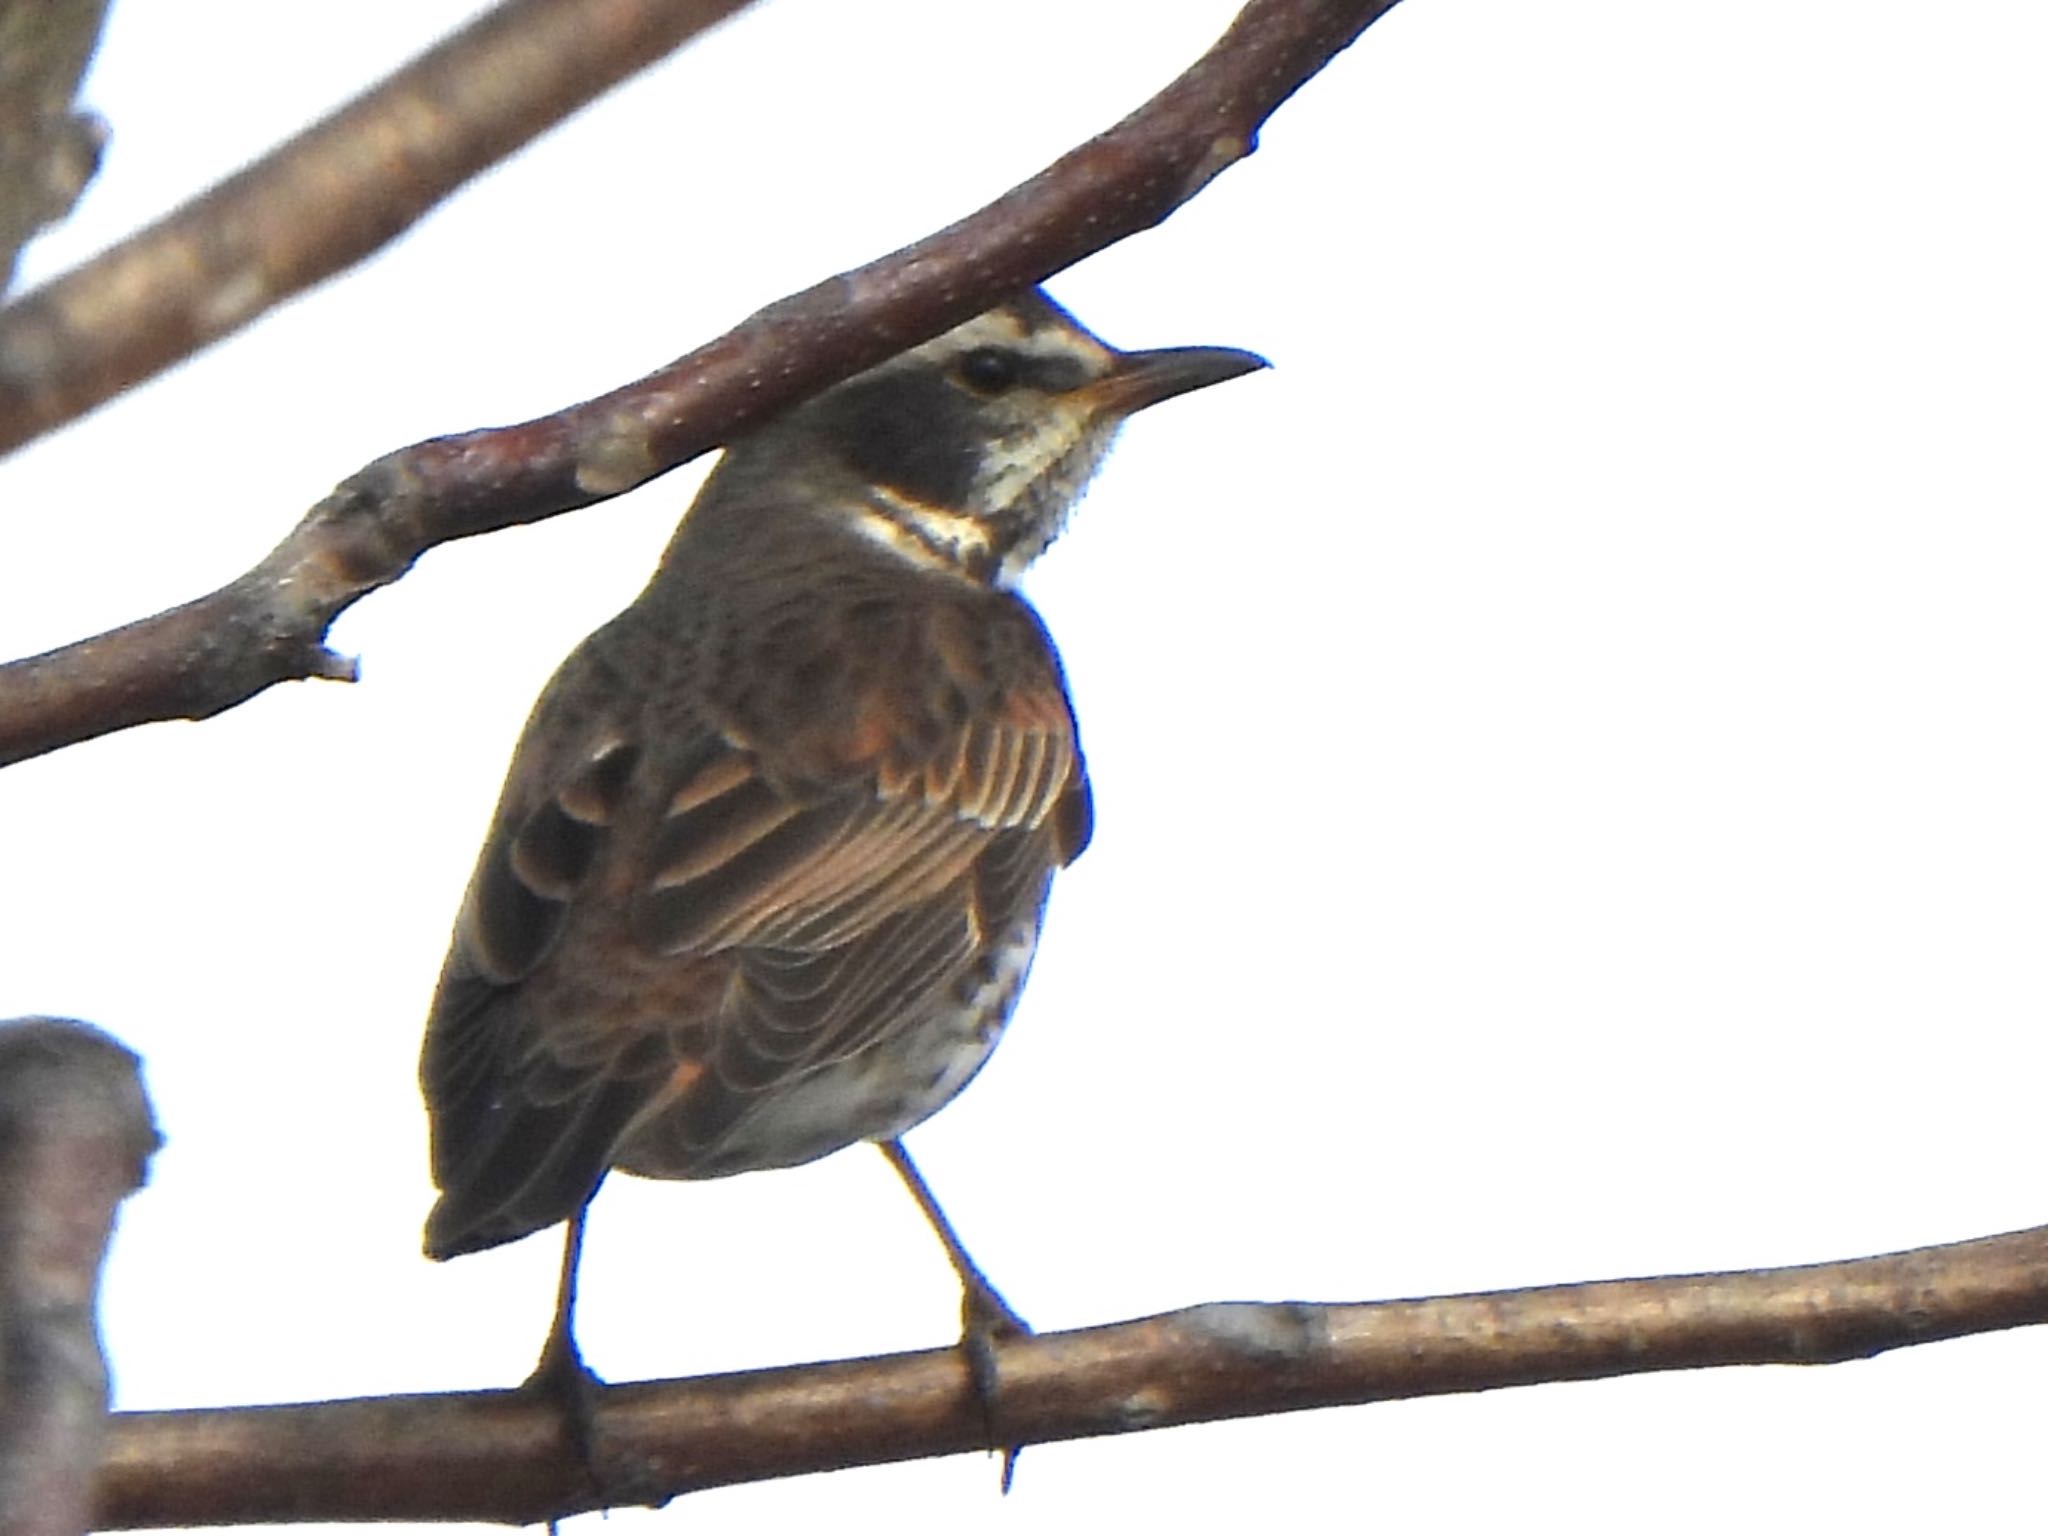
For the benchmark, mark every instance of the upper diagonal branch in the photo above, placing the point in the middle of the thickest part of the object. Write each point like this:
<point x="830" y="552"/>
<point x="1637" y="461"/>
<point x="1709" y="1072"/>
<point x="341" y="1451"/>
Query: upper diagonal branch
<point x="269" y="624"/>
<point x="504" y="1456"/>
<point x="323" y="201"/>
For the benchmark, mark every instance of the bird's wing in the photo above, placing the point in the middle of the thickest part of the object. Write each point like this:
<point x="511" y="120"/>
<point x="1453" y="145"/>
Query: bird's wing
<point x="516" y="1135"/>
<point x="689" y="916"/>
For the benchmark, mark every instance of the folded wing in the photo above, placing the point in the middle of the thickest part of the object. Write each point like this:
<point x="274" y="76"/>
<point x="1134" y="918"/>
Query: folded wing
<point x="672" y="925"/>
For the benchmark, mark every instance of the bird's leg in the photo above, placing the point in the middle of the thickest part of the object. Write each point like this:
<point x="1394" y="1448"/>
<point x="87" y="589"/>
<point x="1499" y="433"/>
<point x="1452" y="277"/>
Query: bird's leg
<point x="561" y="1375"/>
<point x="985" y="1317"/>
<point x="561" y="1372"/>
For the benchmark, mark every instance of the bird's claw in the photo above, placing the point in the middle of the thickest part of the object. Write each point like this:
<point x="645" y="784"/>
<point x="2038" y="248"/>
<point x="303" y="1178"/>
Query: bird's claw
<point x="618" y="1478"/>
<point x="987" y="1320"/>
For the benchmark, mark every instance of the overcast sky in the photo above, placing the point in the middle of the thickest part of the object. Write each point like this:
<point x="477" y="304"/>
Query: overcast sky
<point x="1571" y="771"/>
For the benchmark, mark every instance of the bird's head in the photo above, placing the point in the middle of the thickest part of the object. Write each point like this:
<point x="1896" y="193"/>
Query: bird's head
<point x="968" y="452"/>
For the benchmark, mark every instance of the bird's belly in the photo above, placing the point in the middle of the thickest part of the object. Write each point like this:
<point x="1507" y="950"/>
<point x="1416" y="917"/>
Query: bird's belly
<point x="905" y="1077"/>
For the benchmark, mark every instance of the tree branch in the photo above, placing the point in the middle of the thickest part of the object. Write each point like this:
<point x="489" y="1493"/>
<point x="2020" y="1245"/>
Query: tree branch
<point x="323" y="201"/>
<point x="503" y="1456"/>
<point x="47" y="151"/>
<point x="75" y="1134"/>
<point x="268" y="625"/>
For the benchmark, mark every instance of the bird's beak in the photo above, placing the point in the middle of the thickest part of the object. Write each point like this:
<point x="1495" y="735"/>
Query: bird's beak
<point x="1139" y="379"/>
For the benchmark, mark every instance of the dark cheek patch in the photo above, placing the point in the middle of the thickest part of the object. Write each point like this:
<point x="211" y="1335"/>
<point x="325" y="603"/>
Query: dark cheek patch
<point x="911" y="431"/>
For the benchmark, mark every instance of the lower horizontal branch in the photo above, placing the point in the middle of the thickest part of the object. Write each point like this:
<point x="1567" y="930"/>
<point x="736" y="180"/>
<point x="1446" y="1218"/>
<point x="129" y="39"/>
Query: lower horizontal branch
<point x="503" y="1455"/>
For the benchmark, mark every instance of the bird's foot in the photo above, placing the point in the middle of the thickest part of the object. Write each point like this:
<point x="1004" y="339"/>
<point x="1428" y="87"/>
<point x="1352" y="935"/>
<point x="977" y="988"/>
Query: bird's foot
<point x="986" y="1321"/>
<point x="617" y="1477"/>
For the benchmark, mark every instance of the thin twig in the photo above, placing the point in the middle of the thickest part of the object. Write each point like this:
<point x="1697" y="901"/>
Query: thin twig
<point x="75" y="1133"/>
<point x="503" y="1455"/>
<point x="323" y="201"/>
<point x="269" y="625"/>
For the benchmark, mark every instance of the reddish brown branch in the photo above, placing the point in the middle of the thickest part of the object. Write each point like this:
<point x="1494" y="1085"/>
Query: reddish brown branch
<point x="501" y="1456"/>
<point x="75" y="1131"/>
<point x="323" y="201"/>
<point x="269" y="624"/>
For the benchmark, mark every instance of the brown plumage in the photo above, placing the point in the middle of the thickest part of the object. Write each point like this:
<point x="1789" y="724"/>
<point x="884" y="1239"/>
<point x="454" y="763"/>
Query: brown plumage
<point x="770" y="861"/>
<point x="723" y="872"/>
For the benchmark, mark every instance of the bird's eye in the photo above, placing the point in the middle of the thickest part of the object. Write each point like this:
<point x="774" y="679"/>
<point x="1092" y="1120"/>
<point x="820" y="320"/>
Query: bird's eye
<point x="988" y="370"/>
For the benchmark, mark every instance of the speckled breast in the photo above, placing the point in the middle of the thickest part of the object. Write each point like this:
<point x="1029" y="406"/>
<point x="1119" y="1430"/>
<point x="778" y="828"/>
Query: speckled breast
<point x="903" y="1078"/>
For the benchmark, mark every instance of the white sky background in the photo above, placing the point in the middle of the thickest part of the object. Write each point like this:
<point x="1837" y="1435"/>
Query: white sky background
<point x="1571" y="770"/>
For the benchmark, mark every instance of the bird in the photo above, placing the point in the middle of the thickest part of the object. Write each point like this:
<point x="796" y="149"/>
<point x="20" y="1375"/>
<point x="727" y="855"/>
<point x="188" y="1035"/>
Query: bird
<point x="774" y="849"/>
